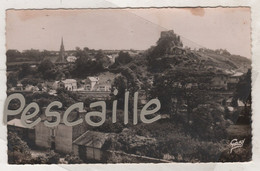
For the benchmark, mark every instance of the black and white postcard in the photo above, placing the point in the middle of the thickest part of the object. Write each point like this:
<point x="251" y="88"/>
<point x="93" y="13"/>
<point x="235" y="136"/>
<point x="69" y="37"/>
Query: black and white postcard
<point x="129" y="85"/>
<point x="117" y="86"/>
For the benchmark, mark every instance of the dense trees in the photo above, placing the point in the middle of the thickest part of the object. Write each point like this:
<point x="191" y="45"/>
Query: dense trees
<point x="243" y="93"/>
<point x="20" y="153"/>
<point x="100" y="56"/>
<point x="14" y="55"/>
<point x="243" y="89"/>
<point x="82" y="52"/>
<point x="12" y="79"/>
<point x="177" y="87"/>
<point x="49" y="71"/>
<point x="67" y="98"/>
<point x="24" y="70"/>
<point x="45" y="66"/>
<point x="189" y="104"/>
<point x="208" y="122"/>
<point x="33" y="54"/>
<point x="120" y="84"/>
<point x="85" y="67"/>
<point x="18" y="150"/>
<point x="123" y="58"/>
<point x="30" y="81"/>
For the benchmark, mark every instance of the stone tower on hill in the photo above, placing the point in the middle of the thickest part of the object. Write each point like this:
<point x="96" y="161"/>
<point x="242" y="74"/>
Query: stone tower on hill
<point x="61" y="53"/>
<point x="169" y="33"/>
<point x="175" y="39"/>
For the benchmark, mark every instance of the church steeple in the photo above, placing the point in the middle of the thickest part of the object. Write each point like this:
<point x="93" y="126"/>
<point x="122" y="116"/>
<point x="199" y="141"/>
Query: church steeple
<point x="62" y="46"/>
<point x="62" y="52"/>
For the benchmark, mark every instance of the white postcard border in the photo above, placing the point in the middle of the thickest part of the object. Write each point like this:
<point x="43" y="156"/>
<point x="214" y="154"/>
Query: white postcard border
<point x="39" y="4"/>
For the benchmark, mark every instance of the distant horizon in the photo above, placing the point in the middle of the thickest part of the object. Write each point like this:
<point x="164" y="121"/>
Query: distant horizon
<point x="126" y="29"/>
<point x="41" y="50"/>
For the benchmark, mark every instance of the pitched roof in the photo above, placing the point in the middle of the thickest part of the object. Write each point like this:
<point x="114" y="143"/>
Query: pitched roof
<point x="93" y="78"/>
<point x="92" y="139"/>
<point x="17" y="122"/>
<point x="230" y="99"/>
<point x="237" y="74"/>
<point x="69" y="81"/>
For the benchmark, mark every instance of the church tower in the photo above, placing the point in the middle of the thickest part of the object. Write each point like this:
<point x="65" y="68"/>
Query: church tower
<point x="61" y="53"/>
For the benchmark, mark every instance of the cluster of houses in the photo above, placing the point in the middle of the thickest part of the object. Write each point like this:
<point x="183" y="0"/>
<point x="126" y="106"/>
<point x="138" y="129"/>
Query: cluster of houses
<point x="102" y="84"/>
<point x="226" y="82"/>
<point x="91" y="84"/>
<point x="21" y="87"/>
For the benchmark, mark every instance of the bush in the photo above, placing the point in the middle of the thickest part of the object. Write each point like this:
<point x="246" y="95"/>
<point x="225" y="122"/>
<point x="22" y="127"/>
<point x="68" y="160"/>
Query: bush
<point x="39" y="160"/>
<point x="186" y="149"/>
<point x="18" y="150"/>
<point x="52" y="157"/>
<point x="73" y="159"/>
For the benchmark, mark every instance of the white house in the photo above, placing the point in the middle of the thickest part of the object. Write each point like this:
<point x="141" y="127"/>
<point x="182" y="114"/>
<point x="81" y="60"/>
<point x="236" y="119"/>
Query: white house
<point x="220" y="82"/>
<point x="31" y="88"/>
<point x="69" y="84"/>
<point x="91" y="82"/>
<point x="95" y="84"/>
<point x="71" y="59"/>
<point x="19" y="86"/>
<point x="104" y="86"/>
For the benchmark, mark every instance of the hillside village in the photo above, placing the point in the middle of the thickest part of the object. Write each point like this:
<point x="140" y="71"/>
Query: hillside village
<point x="200" y="91"/>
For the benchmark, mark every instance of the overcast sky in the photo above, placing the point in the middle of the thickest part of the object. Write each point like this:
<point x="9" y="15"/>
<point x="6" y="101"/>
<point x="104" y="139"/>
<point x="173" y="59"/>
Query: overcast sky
<point x="226" y="28"/>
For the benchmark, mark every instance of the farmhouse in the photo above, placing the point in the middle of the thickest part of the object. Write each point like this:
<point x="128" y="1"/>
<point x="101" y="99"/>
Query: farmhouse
<point x="97" y="84"/>
<point x="69" y="84"/>
<point x="220" y="82"/>
<point x="19" y="86"/>
<point x="60" y="137"/>
<point x="233" y="80"/>
<point x="90" y="83"/>
<point x="89" y="145"/>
